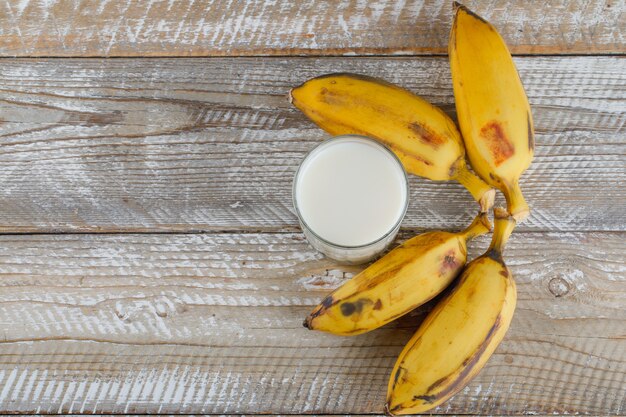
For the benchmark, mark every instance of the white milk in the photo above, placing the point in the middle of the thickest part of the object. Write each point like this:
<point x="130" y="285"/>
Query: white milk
<point x="351" y="191"/>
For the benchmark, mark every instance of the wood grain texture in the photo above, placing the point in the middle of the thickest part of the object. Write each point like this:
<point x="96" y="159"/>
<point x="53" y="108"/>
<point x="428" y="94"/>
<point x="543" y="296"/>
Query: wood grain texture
<point x="96" y="145"/>
<point x="212" y="324"/>
<point x="209" y="28"/>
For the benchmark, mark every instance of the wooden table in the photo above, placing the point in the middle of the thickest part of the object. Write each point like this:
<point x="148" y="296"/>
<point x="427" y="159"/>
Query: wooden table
<point x="150" y="260"/>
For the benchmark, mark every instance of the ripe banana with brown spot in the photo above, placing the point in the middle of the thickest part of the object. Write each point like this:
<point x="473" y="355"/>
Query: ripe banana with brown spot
<point x="459" y="335"/>
<point x="492" y="107"/>
<point x="423" y="137"/>
<point x="405" y="278"/>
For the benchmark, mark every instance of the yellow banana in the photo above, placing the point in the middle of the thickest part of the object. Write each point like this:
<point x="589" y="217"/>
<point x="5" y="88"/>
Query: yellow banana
<point x="405" y="278"/>
<point x="492" y="107"/>
<point x="423" y="137"/>
<point x="459" y="335"/>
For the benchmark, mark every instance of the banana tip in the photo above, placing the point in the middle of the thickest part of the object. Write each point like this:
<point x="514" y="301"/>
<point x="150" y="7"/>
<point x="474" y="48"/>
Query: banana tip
<point x="518" y="216"/>
<point x="307" y="323"/>
<point x="388" y="411"/>
<point x="487" y="200"/>
<point x="290" y="96"/>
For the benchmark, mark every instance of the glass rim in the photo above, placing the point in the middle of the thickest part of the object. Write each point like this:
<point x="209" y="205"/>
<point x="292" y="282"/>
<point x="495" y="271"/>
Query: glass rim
<point x="376" y="143"/>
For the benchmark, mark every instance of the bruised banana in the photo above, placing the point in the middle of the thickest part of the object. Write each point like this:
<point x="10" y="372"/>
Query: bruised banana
<point x="423" y="137"/>
<point x="459" y="335"/>
<point x="405" y="278"/>
<point x="492" y="107"/>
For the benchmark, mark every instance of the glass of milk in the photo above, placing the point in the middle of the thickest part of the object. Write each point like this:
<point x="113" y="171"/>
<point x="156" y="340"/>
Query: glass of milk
<point x="350" y="194"/>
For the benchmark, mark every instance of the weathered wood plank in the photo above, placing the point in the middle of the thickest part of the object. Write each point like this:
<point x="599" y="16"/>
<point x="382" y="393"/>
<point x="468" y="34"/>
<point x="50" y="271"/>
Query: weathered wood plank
<point x="212" y="324"/>
<point x="189" y="144"/>
<point x="209" y="28"/>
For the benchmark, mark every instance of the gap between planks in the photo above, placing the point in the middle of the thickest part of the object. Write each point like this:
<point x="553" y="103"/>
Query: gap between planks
<point x="324" y="415"/>
<point x="404" y="232"/>
<point x="313" y="56"/>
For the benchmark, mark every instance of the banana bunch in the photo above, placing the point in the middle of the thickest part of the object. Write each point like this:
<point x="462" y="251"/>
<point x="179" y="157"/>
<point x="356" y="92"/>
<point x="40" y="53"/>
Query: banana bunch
<point x="458" y="336"/>
<point x="405" y="278"/>
<point x="424" y="138"/>
<point x="492" y="107"/>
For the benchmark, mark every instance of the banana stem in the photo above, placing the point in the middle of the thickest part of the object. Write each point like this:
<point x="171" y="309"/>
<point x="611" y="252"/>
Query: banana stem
<point x="479" y="189"/>
<point x="479" y="226"/>
<point x="515" y="201"/>
<point x="504" y="225"/>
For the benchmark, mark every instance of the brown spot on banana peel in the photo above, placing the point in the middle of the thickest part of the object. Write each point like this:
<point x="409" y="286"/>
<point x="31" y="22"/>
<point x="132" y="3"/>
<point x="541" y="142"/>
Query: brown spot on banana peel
<point x="499" y="145"/>
<point x="495" y="255"/>
<point x="471" y="292"/>
<point x="435" y="384"/>
<point x="420" y="159"/>
<point x="531" y="134"/>
<point x="452" y="171"/>
<point x="429" y="399"/>
<point x="326" y="303"/>
<point x="331" y="98"/>
<point x="394" y="409"/>
<point x="426" y="135"/>
<point x="449" y="263"/>
<point x="398" y="374"/>
<point x="449" y="260"/>
<point x="378" y="305"/>
<point x="354" y="331"/>
<point x="349" y="308"/>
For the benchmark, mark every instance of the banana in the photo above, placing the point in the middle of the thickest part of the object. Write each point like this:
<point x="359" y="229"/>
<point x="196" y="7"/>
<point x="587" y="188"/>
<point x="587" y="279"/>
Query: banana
<point x="492" y="107"/>
<point x="405" y="278"/>
<point x="423" y="137"/>
<point x="459" y="334"/>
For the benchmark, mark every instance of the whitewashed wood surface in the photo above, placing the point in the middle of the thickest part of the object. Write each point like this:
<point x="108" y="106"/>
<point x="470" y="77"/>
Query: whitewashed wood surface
<point x="150" y="261"/>
<point x="211" y="323"/>
<point x="326" y="27"/>
<point x="213" y="144"/>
